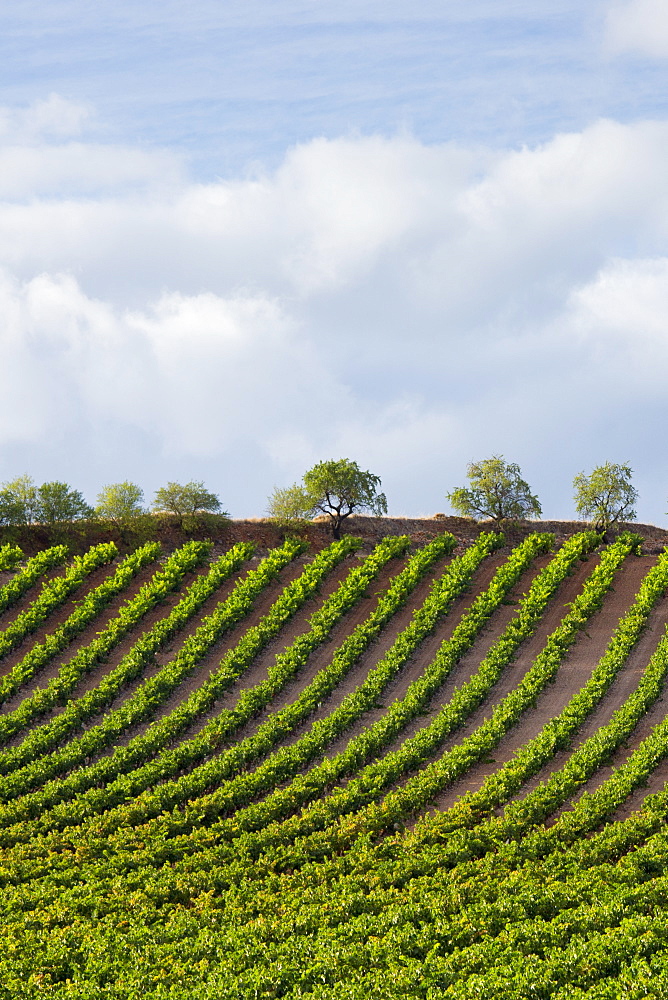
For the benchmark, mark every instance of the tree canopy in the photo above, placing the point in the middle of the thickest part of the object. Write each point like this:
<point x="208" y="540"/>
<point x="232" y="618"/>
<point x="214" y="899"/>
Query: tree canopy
<point x="22" y="502"/>
<point x="606" y="496"/>
<point x="496" y="490"/>
<point x="187" y="501"/>
<point x="336" y="488"/>
<point x="288" y="504"/>
<point x="58" y="503"/>
<point x="120" y="502"/>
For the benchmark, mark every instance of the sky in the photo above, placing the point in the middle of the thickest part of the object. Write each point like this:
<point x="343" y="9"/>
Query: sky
<point x="238" y="239"/>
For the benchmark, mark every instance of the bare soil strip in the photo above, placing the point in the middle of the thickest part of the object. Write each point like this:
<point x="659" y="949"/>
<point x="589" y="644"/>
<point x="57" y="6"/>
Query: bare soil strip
<point x="658" y="778"/>
<point x="572" y="675"/>
<point x="366" y="663"/>
<point x="57" y="617"/>
<point x="623" y="685"/>
<point x="157" y="613"/>
<point x="26" y="599"/>
<point x="83" y="639"/>
<point x="258" y="670"/>
<point x="429" y="648"/>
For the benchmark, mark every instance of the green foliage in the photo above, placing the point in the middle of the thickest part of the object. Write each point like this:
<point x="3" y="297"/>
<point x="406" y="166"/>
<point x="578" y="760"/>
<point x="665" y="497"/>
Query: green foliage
<point x="234" y="759"/>
<point x="132" y="665"/>
<point x="289" y="505"/>
<point x="250" y="842"/>
<point x="30" y="574"/>
<point x="240" y="788"/>
<point x="11" y="511"/>
<point x="497" y="491"/>
<point x="150" y="757"/>
<point x="57" y="503"/>
<point x="370" y="783"/>
<point x="10" y="556"/>
<point x="121" y="503"/>
<point x="606" y="496"/>
<point x="559" y="730"/>
<point x="54" y="592"/>
<point x="86" y="611"/>
<point x="191" y="502"/>
<point x="334" y="488"/>
<point x="21" y="502"/>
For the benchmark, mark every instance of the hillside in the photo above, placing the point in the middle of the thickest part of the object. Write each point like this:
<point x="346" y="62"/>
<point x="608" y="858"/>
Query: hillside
<point x="396" y="765"/>
<point x="264" y="534"/>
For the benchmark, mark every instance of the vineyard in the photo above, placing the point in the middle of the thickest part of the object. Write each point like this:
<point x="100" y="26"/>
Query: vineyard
<point x="358" y="771"/>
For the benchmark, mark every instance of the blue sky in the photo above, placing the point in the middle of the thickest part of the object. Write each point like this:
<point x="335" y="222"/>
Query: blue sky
<point x="230" y="84"/>
<point x="237" y="239"/>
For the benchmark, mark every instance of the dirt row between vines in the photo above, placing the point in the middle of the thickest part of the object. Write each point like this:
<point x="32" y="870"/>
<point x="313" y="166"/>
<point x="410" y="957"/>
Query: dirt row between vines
<point x="257" y="672"/>
<point x="657" y="713"/>
<point x="321" y="657"/>
<point x="573" y="673"/>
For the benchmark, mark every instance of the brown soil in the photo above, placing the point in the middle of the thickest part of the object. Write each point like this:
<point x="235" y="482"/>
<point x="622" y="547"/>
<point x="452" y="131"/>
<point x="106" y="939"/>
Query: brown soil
<point x="60" y="615"/>
<point x="430" y="647"/>
<point x="11" y="613"/>
<point x="426" y="652"/>
<point x="176" y="643"/>
<point x="369" y="660"/>
<point x="361" y="669"/>
<point x="623" y="685"/>
<point x="160" y="611"/>
<point x="57" y="617"/>
<point x="258" y="670"/>
<point x="575" y="669"/>
<point x="573" y="672"/>
<point x="320" y="657"/>
<point x="634" y="667"/>
<point x="265" y="534"/>
<point x="655" y="783"/>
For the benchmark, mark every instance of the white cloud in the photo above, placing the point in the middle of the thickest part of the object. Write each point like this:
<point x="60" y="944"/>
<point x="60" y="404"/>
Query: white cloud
<point x="79" y="170"/>
<point x="623" y="315"/>
<point x="412" y="307"/>
<point x="639" y="26"/>
<point x="54" y="117"/>
<point x="44" y="152"/>
<point x="196" y="371"/>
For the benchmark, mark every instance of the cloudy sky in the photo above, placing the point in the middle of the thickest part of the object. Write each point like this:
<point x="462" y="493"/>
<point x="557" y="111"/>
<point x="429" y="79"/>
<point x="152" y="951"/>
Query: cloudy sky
<point x="236" y="239"/>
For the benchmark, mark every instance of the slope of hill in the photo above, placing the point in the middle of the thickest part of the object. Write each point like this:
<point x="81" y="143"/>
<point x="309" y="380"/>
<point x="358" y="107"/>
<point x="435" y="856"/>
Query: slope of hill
<point x="415" y="762"/>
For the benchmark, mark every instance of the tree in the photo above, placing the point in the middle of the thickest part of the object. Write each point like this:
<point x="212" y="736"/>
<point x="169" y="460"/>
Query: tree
<point x="121" y="503"/>
<point x="289" y="504"/>
<point x="19" y="503"/>
<point x="335" y="488"/>
<point x="187" y="501"/>
<point x="12" y="510"/>
<point x="606" y="496"/>
<point x="497" y="490"/>
<point x="58" y="503"/>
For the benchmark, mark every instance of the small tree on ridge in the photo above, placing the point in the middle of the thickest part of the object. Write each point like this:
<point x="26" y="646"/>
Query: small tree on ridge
<point x="183" y="500"/>
<point x="58" y="503"/>
<point x="337" y="488"/>
<point x="497" y="491"/>
<point x="19" y="501"/>
<point x="187" y="501"/>
<point x="606" y="496"/>
<point x="121" y="503"/>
